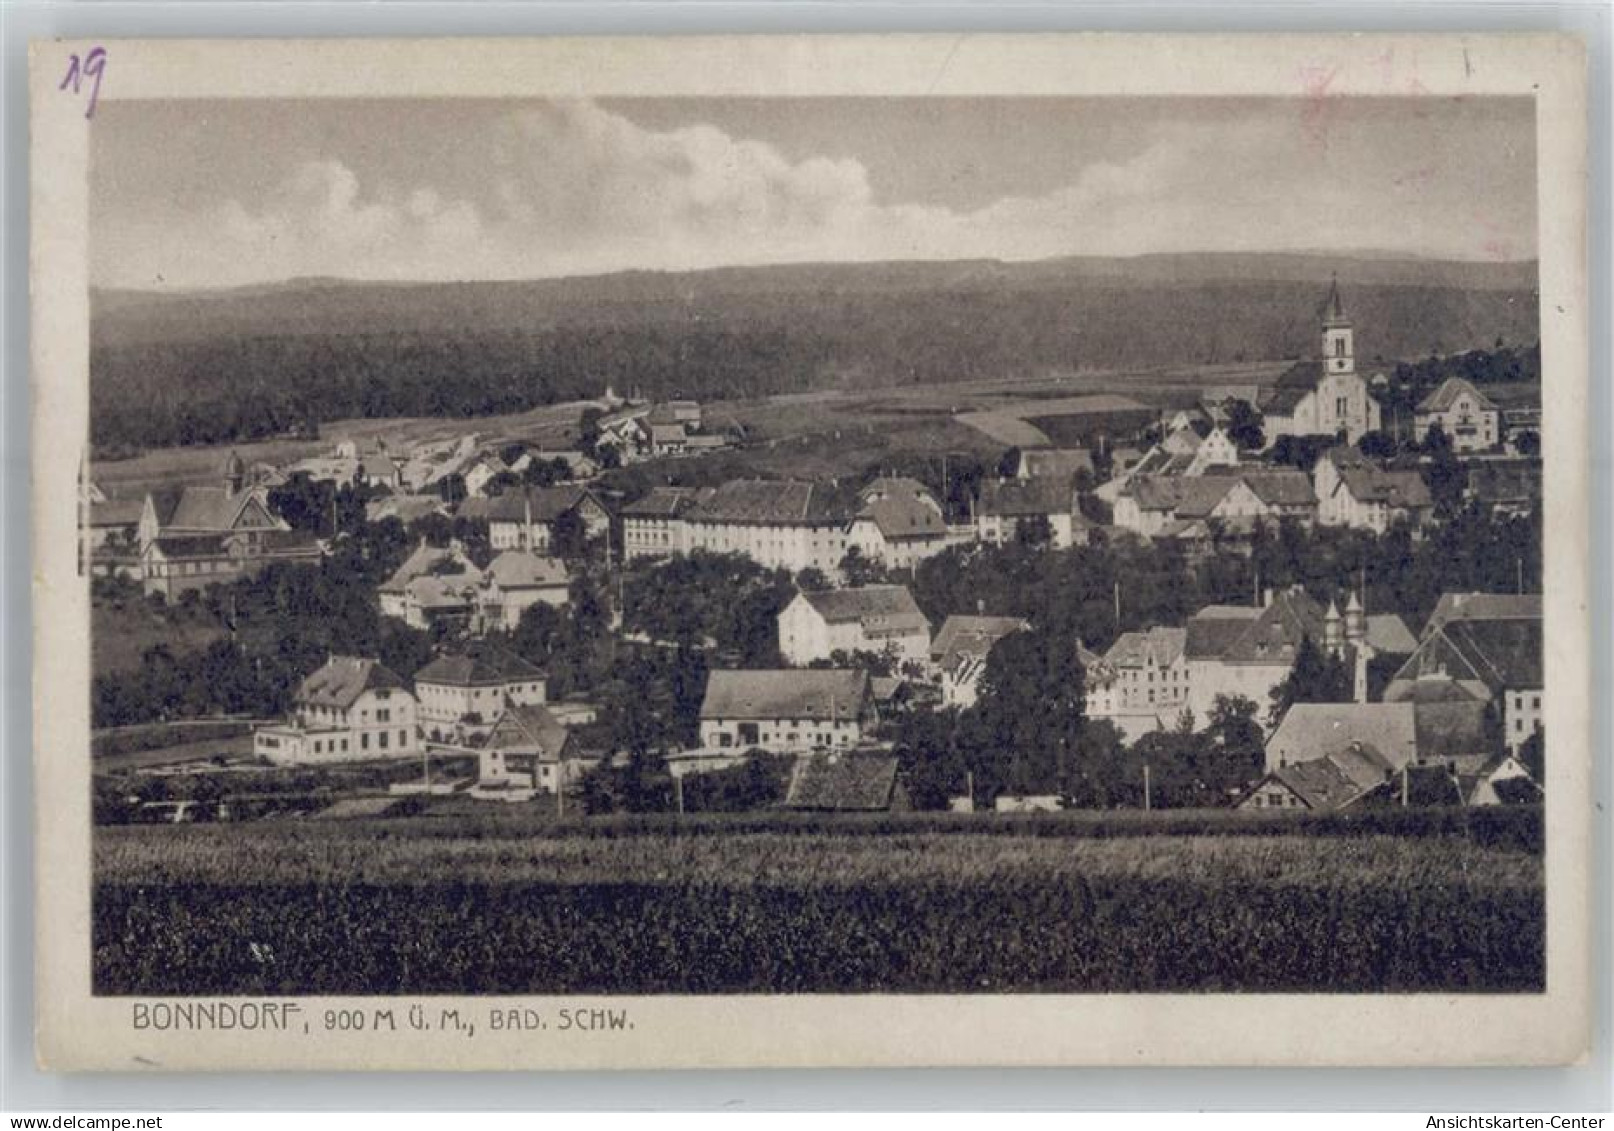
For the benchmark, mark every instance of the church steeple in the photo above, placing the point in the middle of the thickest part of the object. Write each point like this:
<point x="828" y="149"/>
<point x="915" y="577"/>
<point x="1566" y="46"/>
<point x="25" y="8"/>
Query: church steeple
<point x="1339" y="348"/>
<point x="234" y="473"/>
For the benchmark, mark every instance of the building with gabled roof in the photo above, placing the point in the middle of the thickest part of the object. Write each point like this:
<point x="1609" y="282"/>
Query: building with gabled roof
<point x="1006" y="504"/>
<point x="514" y="582"/>
<point x="528" y="519"/>
<point x="849" y="782"/>
<point x="1324" y="396"/>
<point x="1059" y="464"/>
<point x="528" y="751"/>
<point x="898" y="523"/>
<point x="959" y="650"/>
<point x="1487" y="648"/>
<point x="1141" y="683"/>
<point x="425" y="562"/>
<point x="1333" y="781"/>
<point x="787" y="710"/>
<point x="460" y="694"/>
<point x="1468" y="417"/>
<point x="883" y="619"/>
<point x="1309" y="731"/>
<point x="780" y="524"/>
<point x="351" y="708"/>
<point x="1248" y="652"/>
<point x="653" y="526"/>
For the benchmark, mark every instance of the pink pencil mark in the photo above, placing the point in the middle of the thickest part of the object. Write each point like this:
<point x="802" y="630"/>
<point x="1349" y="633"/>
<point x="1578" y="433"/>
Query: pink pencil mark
<point x="1317" y="112"/>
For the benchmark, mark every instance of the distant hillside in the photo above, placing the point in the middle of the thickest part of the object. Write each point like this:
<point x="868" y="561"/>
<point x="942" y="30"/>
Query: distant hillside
<point x="212" y="366"/>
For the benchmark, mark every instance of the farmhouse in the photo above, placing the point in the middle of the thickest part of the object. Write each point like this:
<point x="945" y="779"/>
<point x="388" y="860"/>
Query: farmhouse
<point x="350" y="709"/>
<point x="461" y="695"/>
<point x="1467" y="416"/>
<point x="1333" y="781"/>
<point x="403" y="599"/>
<point x="882" y="619"/>
<point x="1326" y="396"/>
<point x="785" y="711"/>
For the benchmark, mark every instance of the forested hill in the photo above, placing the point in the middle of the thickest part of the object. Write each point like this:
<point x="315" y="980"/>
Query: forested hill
<point x="210" y="366"/>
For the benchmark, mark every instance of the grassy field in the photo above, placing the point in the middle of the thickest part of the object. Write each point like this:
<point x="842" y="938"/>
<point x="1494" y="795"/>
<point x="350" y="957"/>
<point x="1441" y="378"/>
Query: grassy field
<point x="927" y="905"/>
<point x="122" y="630"/>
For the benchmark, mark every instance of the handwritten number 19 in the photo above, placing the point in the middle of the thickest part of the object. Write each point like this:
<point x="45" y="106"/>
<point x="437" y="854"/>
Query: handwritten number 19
<point x="93" y="67"/>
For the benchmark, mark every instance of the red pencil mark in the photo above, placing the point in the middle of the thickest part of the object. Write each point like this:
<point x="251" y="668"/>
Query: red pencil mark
<point x="1318" y="110"/>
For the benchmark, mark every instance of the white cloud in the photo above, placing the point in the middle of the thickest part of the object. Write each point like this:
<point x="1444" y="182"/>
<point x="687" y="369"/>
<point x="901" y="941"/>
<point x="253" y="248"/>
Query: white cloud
<point x="572" y="188"/>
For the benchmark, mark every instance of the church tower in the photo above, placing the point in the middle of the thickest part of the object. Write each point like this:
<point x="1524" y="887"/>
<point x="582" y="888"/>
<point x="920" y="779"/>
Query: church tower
<point x="1339" y="347"/>
<point x="234" y="474"/>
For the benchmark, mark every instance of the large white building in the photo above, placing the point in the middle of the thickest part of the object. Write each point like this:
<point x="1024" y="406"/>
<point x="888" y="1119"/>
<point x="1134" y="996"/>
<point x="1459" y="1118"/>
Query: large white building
<point x="1354" y="491"/>
<point x="1248" y="651"/>
<point x="348" y="710"/>
<point x="899" y="523"/>
<point x="1324" y="396"/>
<point x="882" y="619"/>
<point x="781" y="524"/>
<point x="1142" y="683"/>
<point x="459" y="696"/>
<point x="786" y="711"/>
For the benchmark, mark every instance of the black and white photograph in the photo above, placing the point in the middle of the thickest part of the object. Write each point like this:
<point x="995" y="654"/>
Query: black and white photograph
<point x="894" y="545"/>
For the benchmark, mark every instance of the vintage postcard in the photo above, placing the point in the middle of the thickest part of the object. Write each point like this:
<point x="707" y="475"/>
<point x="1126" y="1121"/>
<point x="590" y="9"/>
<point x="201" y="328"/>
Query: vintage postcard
<point x="890" y="550"/>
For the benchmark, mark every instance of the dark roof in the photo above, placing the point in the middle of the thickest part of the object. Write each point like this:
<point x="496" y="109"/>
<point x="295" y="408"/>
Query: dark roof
<point x="662" y="502"/>
<point x="343" y="679"/>
<point x="478" y="667"/>
<point x="902" y="508"/>
<point x="546" y="503"/>
<point x="1161" y="646"/>
<point x="1393" y="488"/>
<point x="814" y="693"/>
<point x="842" y="782"/>
<point x="1280" y="487"/>
<point x="1484" y="606"/>
<point x="1013" y="498"/>
<point x="421" y="561"/>
<point x="889" y="608"/>
<point x="1322" y="784"/>
<point x="1271" y="635"/>
<point x="781" y="501"/>
<point x="1388" y="634"/>
<point x="971" y="635"/>
<point x="532" y="729"/>
<point x="191" y="546"/>
<point x="116" y="512"/>
<point x="1447" y="730"/>
<point x="199" y="508"/>
<point x="1299" y="379"/>
<point x="1492" y="481"/>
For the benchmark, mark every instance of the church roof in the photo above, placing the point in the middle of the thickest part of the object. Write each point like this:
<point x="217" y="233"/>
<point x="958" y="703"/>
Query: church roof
<point x="1334" y="308"/>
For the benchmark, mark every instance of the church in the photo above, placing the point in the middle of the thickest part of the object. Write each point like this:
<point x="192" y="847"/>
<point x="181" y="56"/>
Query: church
<point x="1324" y="396"/>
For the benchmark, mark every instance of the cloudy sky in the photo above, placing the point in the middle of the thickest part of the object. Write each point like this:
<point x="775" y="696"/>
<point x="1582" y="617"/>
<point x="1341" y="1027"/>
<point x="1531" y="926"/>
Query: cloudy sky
<point x="207" y="194"/>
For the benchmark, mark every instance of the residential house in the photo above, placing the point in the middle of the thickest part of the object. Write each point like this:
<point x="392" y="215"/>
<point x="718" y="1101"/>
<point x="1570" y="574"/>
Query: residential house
<point x="1007" y="505"/>
<point x="514" y="582"/>
<point x="653" y="527"/>
<point x="1325" y="396"/>
<point x="882" y="619"/>
<point x="1500" y="780"/>
<point x="1469" y="418"/>
<point x="199" y="535"/>
<point x="1143" y="681"/>
<point x="534" y="518"/>
<point x="1485" y="648"/>
<point x="351" y="708"/>
<point x="958" y="653"/>
<point x="481" y="471"/>
<point x="845" y="782"/>
<point x="1336" y="780"/>
<point x="1353" y="490"/>
<point x="425" y="562"/>
<point x="528" y="751"/>
<point x="780" y="524"/>
<point x="786" y="711"/>
<point x="1230" y="501"/>
<point x="898" y="524"/>
<point x="460" y="695"/>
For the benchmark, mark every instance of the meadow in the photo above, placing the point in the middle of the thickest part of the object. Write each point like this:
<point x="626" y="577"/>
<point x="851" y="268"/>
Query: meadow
<point x="772" y="905"/>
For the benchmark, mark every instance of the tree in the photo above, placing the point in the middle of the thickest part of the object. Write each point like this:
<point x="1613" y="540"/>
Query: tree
<point x="1244" y="426"/>
<point x="1034" y="530"/>
<point x="1532" y="755"/>
<point x="1317" y="677"/>
<point x="451" y="488"/>
<point x="930" y="759"/>
<point x="859" y="570"/>
<point x="1030" y="700"/>
<point x="1527" y="443"/>
<point x="1443" y="472"/>
<point x="1377" y="445"/>
<point x="812" y="580"/>
<point x="1234" y="737"/>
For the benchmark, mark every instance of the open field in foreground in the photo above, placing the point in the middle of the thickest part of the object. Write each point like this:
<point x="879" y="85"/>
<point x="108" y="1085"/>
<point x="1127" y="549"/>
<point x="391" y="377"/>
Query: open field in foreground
<point x="379" y="906"/>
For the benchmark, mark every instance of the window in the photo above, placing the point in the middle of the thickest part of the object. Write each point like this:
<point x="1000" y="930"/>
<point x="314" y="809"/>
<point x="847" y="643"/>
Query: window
<point x="1535" y="702"/>
<point x="364" y="741"/>
<point x="383" y="716"/>
<point x="383" y="739"/>
<point x="403" y="738"/>
<point x="1339" y="347"/>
